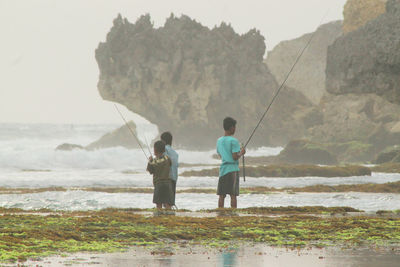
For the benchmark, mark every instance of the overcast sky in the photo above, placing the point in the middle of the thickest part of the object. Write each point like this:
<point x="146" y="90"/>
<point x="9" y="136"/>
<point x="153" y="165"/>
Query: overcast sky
<point x="48" y="72"/>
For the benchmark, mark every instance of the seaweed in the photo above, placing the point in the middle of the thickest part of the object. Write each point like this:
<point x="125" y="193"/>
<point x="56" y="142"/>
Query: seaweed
<point x="286" y="170"/>
<point x="26" y="236"/>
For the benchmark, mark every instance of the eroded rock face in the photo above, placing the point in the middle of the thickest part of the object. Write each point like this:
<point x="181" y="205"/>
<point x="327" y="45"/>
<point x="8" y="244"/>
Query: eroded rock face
<point x="351" y="117"/>
<point x="309" y="74"/>
<point x="357" y="13"/>
<point x="186" y="78"/>
<point x="367" y="60"/>
<point x="119" y="137"/>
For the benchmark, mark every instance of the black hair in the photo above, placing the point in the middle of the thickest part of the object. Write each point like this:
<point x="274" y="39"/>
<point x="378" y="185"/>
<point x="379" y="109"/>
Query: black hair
<point x="159" y="146"/>
<point x="167" y="138"/>
<point x="229" y="123"/>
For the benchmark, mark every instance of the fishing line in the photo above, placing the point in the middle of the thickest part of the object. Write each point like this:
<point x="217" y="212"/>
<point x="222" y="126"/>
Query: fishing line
<point x="126" y="123"/>
<point x="284" y="81"/>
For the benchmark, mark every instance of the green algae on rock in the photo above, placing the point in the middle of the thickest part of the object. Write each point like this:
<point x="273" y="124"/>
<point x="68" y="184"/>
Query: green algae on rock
<point x="292" y="171"/>
<point x="26" y="236"/>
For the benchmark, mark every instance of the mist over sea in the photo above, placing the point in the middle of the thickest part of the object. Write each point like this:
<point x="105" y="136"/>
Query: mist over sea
<point x="28" y="159"/>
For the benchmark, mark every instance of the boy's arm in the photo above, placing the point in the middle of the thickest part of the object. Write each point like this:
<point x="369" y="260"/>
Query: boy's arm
<point x="150" y="165"/>
<point x="237" y="152"/>
<point x="156" y="163"/>
<point x="150" y="168"/>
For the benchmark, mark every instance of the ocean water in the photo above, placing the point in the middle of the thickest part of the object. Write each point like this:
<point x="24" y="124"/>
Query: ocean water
<point x="28" y="159"/>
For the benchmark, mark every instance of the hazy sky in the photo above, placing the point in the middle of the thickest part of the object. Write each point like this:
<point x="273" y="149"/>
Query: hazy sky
<point x="48" y="72"/>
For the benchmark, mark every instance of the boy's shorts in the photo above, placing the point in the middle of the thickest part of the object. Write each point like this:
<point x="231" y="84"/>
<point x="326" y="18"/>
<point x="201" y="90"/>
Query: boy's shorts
<point x="163" y="193"/>
<point x="228" y="184"/>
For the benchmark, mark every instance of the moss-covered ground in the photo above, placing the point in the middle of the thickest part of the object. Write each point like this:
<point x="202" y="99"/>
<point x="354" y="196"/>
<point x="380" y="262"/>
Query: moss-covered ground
<point x="285" y="170"/>
<point x="25" y="236"/>
<point x="387" y="168"/>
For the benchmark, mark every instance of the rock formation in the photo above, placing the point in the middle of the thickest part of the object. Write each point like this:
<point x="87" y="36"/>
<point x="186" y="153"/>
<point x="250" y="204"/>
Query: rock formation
<point x="69" y="147"/>
<point x="119" y="137"/>
<point x="367" y="60"/>
<point x="366" y="118"/>
<point x="186" y="78"/>
<point x="306" y="152"/>
<point x="390" y="156"/>
<point x="357" y="13"/>
<point x="309" y="73"/>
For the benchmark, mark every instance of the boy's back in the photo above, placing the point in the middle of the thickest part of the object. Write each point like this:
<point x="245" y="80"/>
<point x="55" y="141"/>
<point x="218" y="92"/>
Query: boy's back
<point x="226" y="145"/>
<point x="174" y="157"/>
<point x="160" y="169"/>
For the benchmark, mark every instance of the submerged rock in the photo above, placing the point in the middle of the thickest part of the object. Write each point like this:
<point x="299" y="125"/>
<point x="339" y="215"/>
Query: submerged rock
<point x="69" y="147"/>
<point x="284" y="170"/>
<point x="119" y="137"/>
<point x="309" y="74"/>
<point x="186" y="78"/>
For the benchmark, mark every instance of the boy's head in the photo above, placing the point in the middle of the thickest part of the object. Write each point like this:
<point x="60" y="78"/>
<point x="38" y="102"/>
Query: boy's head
<point x="167" y="138"/>
<point x="229" y="125"/>
<point x="159" y="148"/>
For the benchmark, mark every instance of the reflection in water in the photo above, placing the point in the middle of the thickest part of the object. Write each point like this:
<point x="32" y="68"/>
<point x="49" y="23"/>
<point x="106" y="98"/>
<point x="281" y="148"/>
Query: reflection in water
<point x="166" y="262"/>
<point x="228" y="258"/>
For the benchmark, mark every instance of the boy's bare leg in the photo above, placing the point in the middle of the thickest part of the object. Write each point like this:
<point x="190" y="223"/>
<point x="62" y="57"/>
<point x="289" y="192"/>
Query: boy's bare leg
<point x="221" y="201"/>
<point x="233" y="202"/>
<point x="159" y="206"/>
<point x="167" y="206"/>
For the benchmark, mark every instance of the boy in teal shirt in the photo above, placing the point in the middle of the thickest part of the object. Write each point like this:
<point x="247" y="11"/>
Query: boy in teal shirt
<point x="228" y="148"/>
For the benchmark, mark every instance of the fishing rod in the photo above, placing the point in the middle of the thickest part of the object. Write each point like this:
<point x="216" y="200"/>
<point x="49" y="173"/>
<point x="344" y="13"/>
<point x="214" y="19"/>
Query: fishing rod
<point x="134" y="135"/>
<point x="148" y="147"/>
<point x="279" y="89"/>
<point x="284" y="81"/>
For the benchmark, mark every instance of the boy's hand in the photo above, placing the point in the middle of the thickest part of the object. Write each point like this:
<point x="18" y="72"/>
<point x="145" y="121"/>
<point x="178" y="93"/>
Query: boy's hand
<point x="151" y="158"/>
<point x="242" y="151"/>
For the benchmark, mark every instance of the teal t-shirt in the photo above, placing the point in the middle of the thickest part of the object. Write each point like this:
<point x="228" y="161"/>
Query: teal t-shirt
<point x="226" y="145"/>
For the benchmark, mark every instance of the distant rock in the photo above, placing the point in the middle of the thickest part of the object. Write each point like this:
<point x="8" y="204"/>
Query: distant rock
<point x="357" y="13"/>
<point x="306" y="152"/>
<point x="186" y="78"/>
<point x="367" y="60"/>
<point x="120" y="137"/>
<point x="309" y="74"/>
<point x="69" y="147"/>
<point x="365" y="118"/>
<point x="390" y="156"/>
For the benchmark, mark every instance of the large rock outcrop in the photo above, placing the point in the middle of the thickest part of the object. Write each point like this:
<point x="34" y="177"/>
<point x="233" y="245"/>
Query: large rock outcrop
<point x="119" y="137"/>
<point x="309" y="73"/>
<point x="367" y="60"/>
<point x="186" y="78"/>
<point x="366" y="118"/>
<point x="357" y="13"/>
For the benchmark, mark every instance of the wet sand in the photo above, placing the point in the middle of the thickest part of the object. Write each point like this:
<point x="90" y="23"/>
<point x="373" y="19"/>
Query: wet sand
<point x="244" y="255"/>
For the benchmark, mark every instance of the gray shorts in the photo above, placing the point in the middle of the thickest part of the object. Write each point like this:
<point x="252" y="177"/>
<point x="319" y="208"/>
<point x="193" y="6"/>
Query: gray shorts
<point x="228" y="184"/>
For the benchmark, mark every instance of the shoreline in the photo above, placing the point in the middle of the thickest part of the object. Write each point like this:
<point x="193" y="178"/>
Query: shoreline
<point x="240" y="255"/>
<point x="390" y="187"/>
<point x="28" y="236"/>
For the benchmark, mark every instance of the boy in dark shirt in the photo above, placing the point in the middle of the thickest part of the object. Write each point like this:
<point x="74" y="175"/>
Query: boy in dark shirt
<point x="160" y="168"/>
